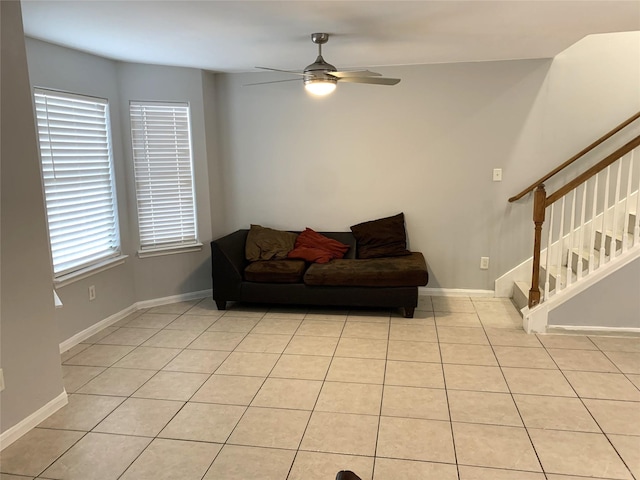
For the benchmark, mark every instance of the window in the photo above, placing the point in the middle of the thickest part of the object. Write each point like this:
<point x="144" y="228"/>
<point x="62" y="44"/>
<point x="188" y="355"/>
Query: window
<point x="161" y="140"/>
<point x="77" y="172"/>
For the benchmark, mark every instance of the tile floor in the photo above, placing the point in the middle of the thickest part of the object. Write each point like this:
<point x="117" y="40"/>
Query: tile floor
<point x="185" y="392"/>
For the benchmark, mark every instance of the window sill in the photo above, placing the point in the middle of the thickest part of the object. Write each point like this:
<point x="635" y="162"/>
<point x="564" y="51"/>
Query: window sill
<point x="89" y="271"/>
<point x="158" y="252"/>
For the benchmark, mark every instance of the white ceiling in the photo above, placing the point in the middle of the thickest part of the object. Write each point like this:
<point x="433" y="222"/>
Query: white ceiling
<point x="233" y="36"/>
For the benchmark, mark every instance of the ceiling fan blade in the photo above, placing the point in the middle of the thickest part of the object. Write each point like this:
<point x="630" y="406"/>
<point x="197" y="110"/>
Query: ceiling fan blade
<point x="274" y="81"/>
<point x="292" y="72"/>
<point x="371" y="80"/>
<point x="359" y="73"/>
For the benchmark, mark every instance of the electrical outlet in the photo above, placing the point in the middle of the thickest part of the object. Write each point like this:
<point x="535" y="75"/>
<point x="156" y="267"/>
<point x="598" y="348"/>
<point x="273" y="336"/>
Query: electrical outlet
<point x="92" y="292"/>
<point x="497" y="174"/>
<point x="1" y="380"/>
<point x="484" y="263"/>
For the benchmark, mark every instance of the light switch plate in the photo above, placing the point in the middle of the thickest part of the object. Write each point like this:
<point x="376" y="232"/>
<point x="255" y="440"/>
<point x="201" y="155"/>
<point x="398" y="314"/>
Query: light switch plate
<point x="497" y="174"/>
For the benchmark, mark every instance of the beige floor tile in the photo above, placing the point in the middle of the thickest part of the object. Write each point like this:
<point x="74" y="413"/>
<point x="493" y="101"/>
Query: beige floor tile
<point x="8" y="476"/>
<point x="74" y="377"/>
<point x="484" y="473"/>
<point x="101" y="334"/>
<point x="577" y="453"/>
<point x="73" y="351"/>
<point x="420" y="317"/>
<point x="124" y="321"/>
<point x="474" y="377"/>
<point x="635" y="379"/>
<point x="383" y="319"/>
<point x="467" y="335"/>
<point x="228" y="389"/>
<point x="270" y="427"/>
<point x="415" y="439"/>
<point x="175" y="308"/>
<point x="83" y="412"/>
<point x="303" y="345"/>
<point x="424" y="303"/>
<point x="555" y="413"/>
<point x="288" y="393"/>
<point x="414" y="402"/>
<point x="287" y="312"/>
<point x="499" y="314"/>
<point x="264" y="343"/>
<point x="36" y="450"/>
<point x="172" y="386"/>
<point x="196" y="323"/>
<point x="617" y="344"/>
<point x="413" y="332"/>
<point x="627" y="362"/>
<point x="151" y="358"/>
<point x="511" y="338"/>
<point x="329" y="316"/>
<point x="378" y="331"/>
<point x="277" y="325"/>
<point x="414" y="374"/>
<point x="139" y="416"/>
<point x="341" y="397"/>
<point x="494" y="446"/>
<point x="454" y="319"/>
<point x="584" y="360"/>
<point x="171" y="339"/>
<point x="341" y="433"/>
<point x="483" y="407"/>
<point x="535" y="381"/>
<point x="225" y="341"/>
<point x="370" y="312"/>
<point x="323" y="466"/>
<point x="362" y="348"/>
<point x="628" y="448"/>
<point x="206" y="306"/>
<point x="386" y="468"/>
<point x="468" y="354"/>
<point x="575" y="342"/>
<point x="197" y="361"/>
<point x="120" y="382"/>
<point x="239" y="310"/>
<point x="242" y="463"/>
<point x="524" y="357"/>
<point x="356" y="370"/>
<point x="413" y="351"/>
<point x="247" y="363"/>
<point x="203" y="422"/>
<point x="305" y="367"/>
<point x="128" y="336"/>
<point x="172" y="459"/>
<point x="320" y="328"/>
<point x="97" y="457"/>
<point x="234" y="324"/>
<point x="607" y="386"/>
<point x="152" y="320"/>
<point x="453" y="304"/>
<point x="616" y="417"/>
<point x="100" y="355"/>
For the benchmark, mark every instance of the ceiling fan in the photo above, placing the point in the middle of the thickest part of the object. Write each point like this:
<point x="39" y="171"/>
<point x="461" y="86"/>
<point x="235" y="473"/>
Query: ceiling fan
<point x="320" y="78"/>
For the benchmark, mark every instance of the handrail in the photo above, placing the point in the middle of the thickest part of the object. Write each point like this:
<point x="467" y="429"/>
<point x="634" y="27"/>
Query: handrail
<point x="604" y="163"/>
<point x="602" y="139"/>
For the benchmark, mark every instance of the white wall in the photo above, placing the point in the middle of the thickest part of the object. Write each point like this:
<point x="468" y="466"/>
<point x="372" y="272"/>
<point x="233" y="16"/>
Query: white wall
<point x="29" y="354"/>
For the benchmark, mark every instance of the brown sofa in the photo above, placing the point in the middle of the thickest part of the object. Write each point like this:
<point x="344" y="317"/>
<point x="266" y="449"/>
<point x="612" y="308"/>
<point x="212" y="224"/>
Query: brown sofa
<point x="390" y="282"/>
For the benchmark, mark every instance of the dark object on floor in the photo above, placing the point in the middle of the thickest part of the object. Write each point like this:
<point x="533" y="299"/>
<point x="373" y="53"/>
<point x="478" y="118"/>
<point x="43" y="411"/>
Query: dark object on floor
<point x="347" y="475"/>
<point x="386" y="282"/>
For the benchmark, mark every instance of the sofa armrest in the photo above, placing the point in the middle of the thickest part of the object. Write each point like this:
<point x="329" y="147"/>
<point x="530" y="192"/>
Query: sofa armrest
<point x="227" y="266"/>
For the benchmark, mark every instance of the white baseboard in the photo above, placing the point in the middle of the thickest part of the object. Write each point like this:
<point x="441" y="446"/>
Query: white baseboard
<point x="590" y="330"/>
<point x="110" y="320"/>
<point x="454" y="292"/>
<point x="18" y="430"/>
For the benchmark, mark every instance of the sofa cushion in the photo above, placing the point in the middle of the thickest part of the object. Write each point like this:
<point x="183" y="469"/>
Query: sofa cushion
<point x="315" y="247"/>
<point x="268" y="244"/>
<point x="405" y="271"/>
<point x="275" y="271"/>
<point x="385" y="237"/>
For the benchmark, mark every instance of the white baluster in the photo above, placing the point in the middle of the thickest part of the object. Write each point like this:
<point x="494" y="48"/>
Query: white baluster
<point x="583" y="232"/>
<point x="636" y="227"/>
<point x="594" y="212"/>
<point x="547" y="260"/>
<point x="616" y="213"/>
<point x="604" y="216"/>
<point x="627" y="207"/>
<point x="560" y="249"/>
<point x="570" y="254"/>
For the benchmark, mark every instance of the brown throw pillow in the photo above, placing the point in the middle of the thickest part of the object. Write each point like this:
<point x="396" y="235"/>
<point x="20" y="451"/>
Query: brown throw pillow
<point x="385" y="237"/>
<point x="268" y="244"/>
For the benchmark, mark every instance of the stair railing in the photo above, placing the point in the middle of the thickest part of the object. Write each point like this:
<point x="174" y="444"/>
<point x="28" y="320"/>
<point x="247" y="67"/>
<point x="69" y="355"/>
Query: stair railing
<point x="579" y="228"/>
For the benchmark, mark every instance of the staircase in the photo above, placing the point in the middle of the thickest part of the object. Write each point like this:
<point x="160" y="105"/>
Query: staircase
<point x="584" y="231"/>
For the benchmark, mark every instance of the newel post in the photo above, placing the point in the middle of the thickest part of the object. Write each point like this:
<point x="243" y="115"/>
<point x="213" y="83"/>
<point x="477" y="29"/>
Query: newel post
<point x="539" y="206"/>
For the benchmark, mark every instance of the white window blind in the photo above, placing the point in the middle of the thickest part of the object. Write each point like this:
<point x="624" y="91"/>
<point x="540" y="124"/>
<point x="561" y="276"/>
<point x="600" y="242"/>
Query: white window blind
<point x="161" y="139"/>
<point x="77" y="171"/>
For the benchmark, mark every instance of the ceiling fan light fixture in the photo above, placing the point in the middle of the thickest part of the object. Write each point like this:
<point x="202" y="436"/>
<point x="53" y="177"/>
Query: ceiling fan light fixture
<point x="320" y="86"/>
